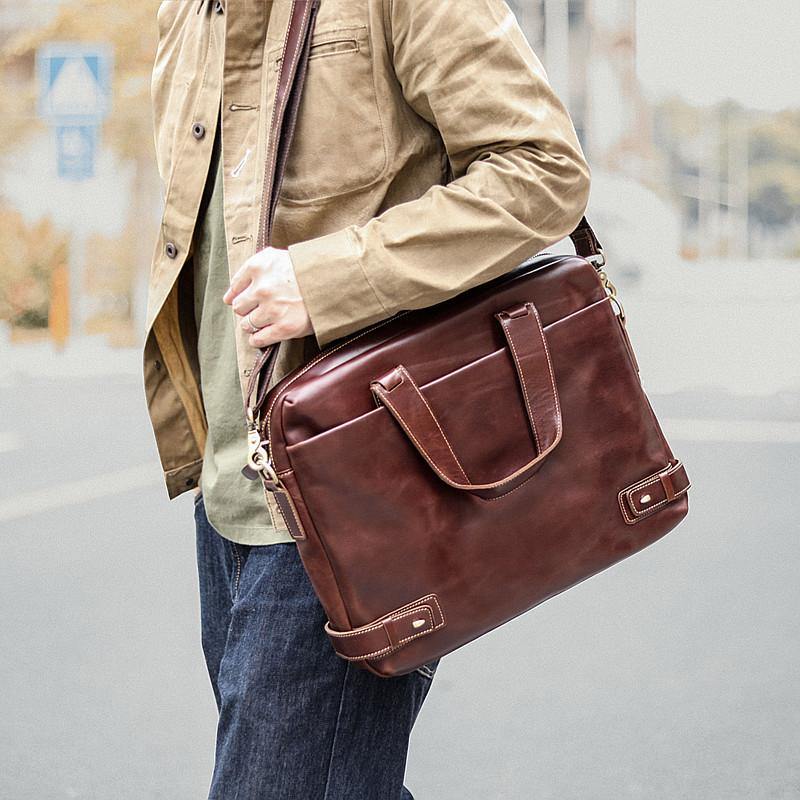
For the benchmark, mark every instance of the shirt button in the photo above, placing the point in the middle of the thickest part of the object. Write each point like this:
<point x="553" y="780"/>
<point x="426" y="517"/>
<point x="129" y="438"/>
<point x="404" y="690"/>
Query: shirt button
<point x="198" y="130"/>
<point x="171" y="250"/>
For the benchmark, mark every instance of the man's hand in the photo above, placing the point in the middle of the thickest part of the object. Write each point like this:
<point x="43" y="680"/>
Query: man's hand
<point x="264" y="293"/>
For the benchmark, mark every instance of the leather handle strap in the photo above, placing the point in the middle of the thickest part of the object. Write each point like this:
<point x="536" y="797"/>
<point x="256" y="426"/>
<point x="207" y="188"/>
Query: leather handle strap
<point x="399" y="394"/>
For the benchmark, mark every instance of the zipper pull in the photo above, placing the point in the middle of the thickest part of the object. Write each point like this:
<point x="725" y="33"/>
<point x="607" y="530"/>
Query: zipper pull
<point x="258" y="460"/>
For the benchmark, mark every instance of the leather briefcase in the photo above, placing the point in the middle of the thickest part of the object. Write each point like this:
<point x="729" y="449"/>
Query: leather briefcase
<point x="447" y="469"/>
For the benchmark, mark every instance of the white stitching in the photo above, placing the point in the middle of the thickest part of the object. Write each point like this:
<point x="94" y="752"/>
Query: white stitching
<point x="404" y="371"/>
<point x="416" y="607"/>
<point x="393" y="647"/>
<point x="373" y="626"/>
<point x="549" y="367"/>
<point x="274" y="120"/>
<point x="414" y="439"/>
<point x="650" y="480"/>
<point x="321" y="357"/>
<point x="504" y="324"/>
<point x="238" y="574"/>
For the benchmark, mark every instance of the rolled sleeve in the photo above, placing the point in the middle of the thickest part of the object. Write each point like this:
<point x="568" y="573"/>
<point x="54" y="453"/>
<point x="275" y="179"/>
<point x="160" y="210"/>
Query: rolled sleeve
<point x="338" y="296"/>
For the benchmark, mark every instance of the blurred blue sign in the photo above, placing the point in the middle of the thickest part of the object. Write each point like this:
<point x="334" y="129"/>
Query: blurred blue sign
<point x="74" y="82"/>
<point x="74" y="97"/>
<point x="76" y="145"/>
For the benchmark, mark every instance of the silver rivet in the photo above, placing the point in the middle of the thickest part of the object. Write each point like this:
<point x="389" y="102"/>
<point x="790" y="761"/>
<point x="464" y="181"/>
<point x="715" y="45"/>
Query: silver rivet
<point x="645" y="498"/>
<point x="417" y="623"/>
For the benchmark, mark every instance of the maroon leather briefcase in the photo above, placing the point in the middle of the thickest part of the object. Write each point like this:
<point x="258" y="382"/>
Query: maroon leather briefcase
<point x="448" y="469"/>
<point x="451" y="468"/>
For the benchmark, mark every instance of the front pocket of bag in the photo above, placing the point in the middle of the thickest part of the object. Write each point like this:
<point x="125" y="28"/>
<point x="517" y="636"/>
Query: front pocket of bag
<point x="339" y="144"/>
<point x="479" y="406"/>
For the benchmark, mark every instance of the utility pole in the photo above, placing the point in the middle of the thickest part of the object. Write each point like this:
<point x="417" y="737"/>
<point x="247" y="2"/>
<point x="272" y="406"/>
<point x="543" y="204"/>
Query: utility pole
<point x="556" y="46"/>
<point x="738" y="227"/>
<point x="708" y="186"/>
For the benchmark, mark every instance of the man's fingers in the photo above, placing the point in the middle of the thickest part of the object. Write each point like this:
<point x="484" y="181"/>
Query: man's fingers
<point x="244" y="303"/>
<point x="239" y="282"/>
<point x="259" y="263"/>
<point x="271" y="334"/>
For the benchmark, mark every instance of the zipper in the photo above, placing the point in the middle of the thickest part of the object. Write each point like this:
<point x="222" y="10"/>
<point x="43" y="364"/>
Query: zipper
<point x="261" y="441"/>
<point x="263" y="429"/>
<point x="260" y="433"/>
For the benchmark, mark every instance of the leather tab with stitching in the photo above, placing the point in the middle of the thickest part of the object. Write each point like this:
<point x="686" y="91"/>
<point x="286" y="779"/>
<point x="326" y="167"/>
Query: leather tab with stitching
<point x="648" y="495"/>
<point x="389" y="633"/>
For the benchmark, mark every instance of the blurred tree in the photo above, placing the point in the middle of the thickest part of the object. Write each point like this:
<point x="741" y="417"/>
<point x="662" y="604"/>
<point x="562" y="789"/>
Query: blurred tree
<point x="28" y="255"/>
<point x="775" y="170"/>
<point x="771" y="163"/>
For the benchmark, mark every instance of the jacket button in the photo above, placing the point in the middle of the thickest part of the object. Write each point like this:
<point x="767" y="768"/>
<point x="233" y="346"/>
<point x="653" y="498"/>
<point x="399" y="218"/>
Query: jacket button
<point x="198" y="130"/>
<point x="219" y="6"/>
<point x="171" y="250"/>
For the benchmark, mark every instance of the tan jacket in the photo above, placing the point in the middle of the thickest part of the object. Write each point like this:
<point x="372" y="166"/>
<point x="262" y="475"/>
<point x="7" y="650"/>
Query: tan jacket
<point x="397" y="93"/>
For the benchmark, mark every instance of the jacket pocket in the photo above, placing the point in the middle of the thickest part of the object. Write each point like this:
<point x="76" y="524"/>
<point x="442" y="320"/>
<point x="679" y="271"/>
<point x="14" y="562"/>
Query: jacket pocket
<point x="339" y="144"/>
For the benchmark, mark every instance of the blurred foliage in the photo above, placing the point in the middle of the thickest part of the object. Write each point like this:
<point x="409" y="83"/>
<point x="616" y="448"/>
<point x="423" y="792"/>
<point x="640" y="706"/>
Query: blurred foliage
<point x="28" y="254"/>
<point x="773" y="156"/>
<point x="775" y="170"/>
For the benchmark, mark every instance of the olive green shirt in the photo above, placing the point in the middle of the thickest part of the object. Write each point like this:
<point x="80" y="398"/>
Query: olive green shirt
<point x="235" y="506"/>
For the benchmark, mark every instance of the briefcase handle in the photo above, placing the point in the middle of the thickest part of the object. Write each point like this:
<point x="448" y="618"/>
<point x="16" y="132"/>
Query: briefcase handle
<point x="399" y="393"/>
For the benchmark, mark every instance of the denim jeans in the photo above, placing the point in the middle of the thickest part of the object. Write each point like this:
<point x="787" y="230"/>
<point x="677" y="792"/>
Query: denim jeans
<point x="296" y="722"/>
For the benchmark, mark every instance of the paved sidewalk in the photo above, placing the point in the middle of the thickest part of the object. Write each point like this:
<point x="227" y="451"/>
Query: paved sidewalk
<point x="671" y="676"/>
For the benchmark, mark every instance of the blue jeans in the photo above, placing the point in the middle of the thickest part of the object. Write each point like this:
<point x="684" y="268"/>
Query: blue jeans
<point x="296" y="722"/>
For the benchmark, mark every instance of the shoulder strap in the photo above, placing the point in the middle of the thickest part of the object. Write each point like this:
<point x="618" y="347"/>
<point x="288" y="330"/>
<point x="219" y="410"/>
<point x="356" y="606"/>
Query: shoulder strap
<point x="585" y="240"/>
<point x="291" y="76"/>
<point x="292" y="73"/>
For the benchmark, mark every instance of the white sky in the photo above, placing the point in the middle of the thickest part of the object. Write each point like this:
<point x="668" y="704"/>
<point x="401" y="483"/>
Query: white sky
<point x="707" y="50"/>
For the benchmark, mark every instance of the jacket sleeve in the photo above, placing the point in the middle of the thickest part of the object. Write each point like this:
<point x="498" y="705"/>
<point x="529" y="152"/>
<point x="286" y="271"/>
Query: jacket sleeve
<point x="520" y="180"/>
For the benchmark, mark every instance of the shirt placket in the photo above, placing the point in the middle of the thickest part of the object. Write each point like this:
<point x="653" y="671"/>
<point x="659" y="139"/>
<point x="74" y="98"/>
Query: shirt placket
<point x="247" y="96"/>
<point x="243" y="110"/>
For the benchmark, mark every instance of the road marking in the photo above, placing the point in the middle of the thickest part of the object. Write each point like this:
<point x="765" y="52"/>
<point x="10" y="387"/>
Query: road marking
<point x="78" y="492"/>
<point x="138" y="477"/>
<point x="737" y="431"/>
<point x="9" y="442"/>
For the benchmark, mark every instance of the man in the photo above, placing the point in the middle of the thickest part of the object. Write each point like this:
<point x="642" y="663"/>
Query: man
<point x="430" y="155"/>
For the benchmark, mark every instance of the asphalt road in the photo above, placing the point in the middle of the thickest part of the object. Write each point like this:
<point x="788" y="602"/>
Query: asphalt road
<point x="673" y="675"/>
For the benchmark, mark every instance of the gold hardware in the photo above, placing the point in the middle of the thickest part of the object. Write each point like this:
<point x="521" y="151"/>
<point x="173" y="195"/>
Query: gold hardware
<point x="598" y="261"/>
<point x="258" y="459"/>
<point x="417" y="623"/>
<point x="611" y="290"/>
<point x="645" y="498"/>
